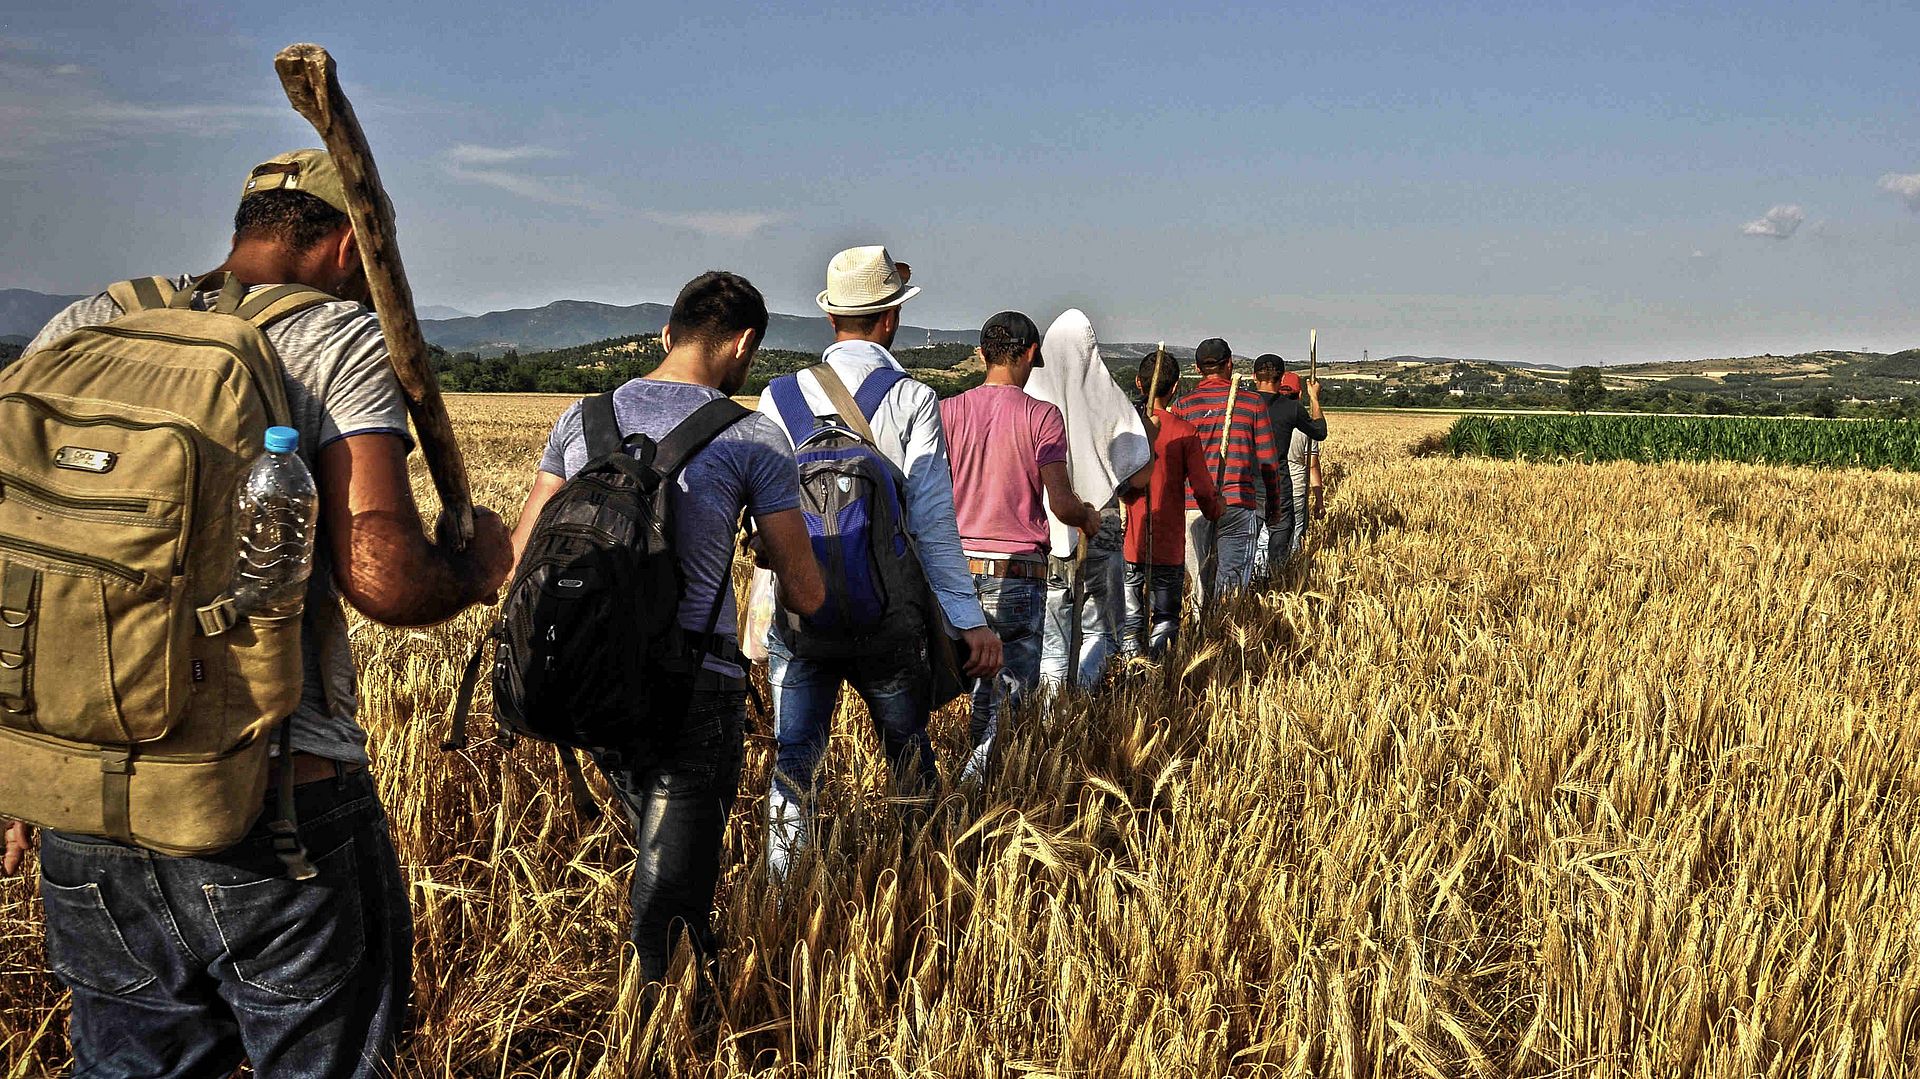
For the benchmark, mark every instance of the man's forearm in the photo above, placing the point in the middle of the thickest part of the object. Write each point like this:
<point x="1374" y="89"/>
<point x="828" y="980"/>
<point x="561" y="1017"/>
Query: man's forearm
<point x="396" y="577"/>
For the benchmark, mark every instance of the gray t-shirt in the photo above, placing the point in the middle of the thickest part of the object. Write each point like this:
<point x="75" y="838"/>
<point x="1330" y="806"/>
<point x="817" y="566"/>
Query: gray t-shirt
<point x="338" y="384"/>
<point x="749" y="465"/>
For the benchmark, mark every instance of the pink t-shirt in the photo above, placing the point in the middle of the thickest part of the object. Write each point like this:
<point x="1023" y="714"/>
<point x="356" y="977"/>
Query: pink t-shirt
<point x="998" y="439"/>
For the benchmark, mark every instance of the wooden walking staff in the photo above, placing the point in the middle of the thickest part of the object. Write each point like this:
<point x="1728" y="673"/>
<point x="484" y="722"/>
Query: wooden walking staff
<point x="307" y="74"/>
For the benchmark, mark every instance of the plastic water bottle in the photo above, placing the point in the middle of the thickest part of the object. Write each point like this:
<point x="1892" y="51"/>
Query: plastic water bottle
<point x="275" y="512"/>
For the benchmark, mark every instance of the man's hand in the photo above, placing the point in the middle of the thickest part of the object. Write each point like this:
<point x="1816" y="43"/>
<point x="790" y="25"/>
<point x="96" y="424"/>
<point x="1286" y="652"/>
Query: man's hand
<point x="1313" y="398"/>
<point x="19" y="842"/>
<point x="983" y="652"/>
<point x="490" y="554"/>
<point x="1089" y="521"/>
<point x="1319" y="503"/>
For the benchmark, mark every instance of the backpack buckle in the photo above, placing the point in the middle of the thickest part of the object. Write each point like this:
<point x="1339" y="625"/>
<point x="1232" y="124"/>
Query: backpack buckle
<point x="217" y="617"/>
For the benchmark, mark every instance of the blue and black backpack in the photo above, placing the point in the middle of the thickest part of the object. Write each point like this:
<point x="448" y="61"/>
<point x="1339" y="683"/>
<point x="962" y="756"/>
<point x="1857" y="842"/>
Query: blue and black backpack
<point x="854" y="502"/>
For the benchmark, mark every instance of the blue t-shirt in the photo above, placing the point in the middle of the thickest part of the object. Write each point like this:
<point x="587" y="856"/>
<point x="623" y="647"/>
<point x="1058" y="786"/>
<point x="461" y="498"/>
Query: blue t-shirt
<point x="749" y="465"/>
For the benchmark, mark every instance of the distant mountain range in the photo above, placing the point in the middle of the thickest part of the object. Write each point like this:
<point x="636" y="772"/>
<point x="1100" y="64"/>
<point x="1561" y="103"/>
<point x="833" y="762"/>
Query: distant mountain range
<point x="565" y="323"/>
<point x="570" y="323"/>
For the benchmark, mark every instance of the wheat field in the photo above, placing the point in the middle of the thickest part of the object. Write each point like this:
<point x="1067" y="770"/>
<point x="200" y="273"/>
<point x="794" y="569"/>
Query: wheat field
<point x="1529" y="770"/>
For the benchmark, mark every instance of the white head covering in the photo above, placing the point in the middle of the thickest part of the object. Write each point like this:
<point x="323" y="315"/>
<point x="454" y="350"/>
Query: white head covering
<point x="1106" y="442"/>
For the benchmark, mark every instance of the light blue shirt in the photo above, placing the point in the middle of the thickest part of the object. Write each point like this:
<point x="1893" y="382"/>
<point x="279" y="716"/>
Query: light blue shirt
<point x="907" y="428"/>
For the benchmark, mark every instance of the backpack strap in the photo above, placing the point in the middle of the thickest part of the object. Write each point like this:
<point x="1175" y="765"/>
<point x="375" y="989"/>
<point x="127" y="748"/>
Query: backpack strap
<point x="270" y="305"/>
<point x="141" y="294"/>
<point x="875" y="388"/>
<point x="693" y="433"/>
<point x="600" y="426"/>
<point x="843" y="402"/>
<point x="232" y="291"/>
<point x="792" y="403"/>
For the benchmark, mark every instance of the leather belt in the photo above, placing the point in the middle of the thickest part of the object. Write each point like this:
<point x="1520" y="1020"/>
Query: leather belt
<point x="1017" y="568"/>
<point x="308" y="768"/>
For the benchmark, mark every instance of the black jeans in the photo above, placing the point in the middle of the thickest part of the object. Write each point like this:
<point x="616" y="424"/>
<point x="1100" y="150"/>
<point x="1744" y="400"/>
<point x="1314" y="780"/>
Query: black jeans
<point x="677" y="791"/>
<point x="185" y="966"/>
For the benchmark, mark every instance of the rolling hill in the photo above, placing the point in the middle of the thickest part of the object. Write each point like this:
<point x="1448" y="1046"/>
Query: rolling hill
<point x="567" y="323"/>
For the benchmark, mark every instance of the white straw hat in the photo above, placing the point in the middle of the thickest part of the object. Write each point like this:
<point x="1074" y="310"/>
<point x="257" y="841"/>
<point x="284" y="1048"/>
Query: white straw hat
<point x="864" y="281"/>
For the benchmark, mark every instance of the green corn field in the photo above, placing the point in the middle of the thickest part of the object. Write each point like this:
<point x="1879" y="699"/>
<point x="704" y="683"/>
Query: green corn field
<point x="1893" y="444"/>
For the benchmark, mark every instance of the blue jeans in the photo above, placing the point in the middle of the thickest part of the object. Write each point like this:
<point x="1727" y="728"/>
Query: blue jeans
<point x="185" y="966"/>
<point x="1105" y="572"/>
<point x="677" y="793"/>
<point x="1015" y="608"/>
<point x="1168" y="583"/>
<point x="1230" y="541"/>
<point x="896" y="684"/>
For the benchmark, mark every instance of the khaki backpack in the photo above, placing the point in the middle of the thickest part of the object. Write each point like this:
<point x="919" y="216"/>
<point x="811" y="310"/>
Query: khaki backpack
<point x="133" y="705"/>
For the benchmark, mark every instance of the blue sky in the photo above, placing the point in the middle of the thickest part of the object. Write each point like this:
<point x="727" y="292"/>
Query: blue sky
<point x="1556" y="182"/>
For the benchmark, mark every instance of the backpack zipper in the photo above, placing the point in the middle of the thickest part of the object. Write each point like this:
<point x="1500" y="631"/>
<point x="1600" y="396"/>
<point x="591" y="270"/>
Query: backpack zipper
<point x="36" y="493"/>
<point x="51" y="554"/>
<point x="181" y="434"/>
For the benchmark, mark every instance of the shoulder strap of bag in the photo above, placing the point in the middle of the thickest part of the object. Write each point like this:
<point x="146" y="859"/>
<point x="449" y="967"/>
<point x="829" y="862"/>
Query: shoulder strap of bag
<point x="792" y="403"/>
<point x="874" y="389"/>
<point x="843" y="402"/>
<point x="270" y="305"/>
<point x="142" y="294"/>
<point x="692" y="434"/>
<point x="600" y="426"/>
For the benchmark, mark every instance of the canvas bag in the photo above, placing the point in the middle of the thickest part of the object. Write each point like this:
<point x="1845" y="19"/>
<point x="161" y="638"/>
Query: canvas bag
<point x="133" y="704"/>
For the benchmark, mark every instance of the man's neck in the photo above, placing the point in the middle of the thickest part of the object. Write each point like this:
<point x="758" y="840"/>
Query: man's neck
<point x="843" y="336"/>
<point x="684" y="365"/>
<point x="999" y="375"/>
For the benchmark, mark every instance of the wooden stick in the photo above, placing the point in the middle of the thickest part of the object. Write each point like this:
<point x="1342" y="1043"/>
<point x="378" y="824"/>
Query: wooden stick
<point x="308" y="76"/>
<point x="1313" y="355"/>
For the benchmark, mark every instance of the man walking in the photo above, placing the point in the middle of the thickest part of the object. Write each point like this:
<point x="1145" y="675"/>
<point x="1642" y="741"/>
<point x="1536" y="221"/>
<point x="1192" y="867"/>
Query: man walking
<point x="678" y="778"/>
<point x="1303" y="471"/>
<point x="1292" y="425"/>
<point x="1238" y="437"/>
<point x="185" y="966"/>
<point x="864" y="293"/>
<point x="1156" y="517"/>
<point x="1007" y="450"/>
<point x="1106" y="450"/>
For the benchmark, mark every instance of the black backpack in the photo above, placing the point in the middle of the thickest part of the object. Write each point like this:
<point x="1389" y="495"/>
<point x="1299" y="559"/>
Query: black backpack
<point x="591" y="618"/>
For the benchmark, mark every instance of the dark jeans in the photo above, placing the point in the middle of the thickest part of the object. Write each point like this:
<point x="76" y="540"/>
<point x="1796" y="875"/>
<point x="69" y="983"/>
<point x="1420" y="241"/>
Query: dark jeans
<point x="1168" y="584"/>
<point x="184" y="966"/>
<point x="1016" y="613"/>
<point x="677" y="793"/>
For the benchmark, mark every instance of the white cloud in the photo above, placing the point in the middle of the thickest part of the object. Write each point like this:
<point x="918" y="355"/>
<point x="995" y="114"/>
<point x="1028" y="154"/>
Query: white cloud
<point x="551" y="191"/>
<point x="1777" y="223"/>
<point x="468" y="153"/>
<point x="50" y="106"/>
<point x="737" y="225"/>
<point x="475" y="164"/>
<point x="1906" y="186"/>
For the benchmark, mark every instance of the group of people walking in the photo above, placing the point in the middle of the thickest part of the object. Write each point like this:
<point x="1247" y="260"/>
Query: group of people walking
<point x="1019" y="537"/>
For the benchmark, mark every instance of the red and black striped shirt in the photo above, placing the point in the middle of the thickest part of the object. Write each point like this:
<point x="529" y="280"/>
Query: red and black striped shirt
<point x="1253" y="457"/>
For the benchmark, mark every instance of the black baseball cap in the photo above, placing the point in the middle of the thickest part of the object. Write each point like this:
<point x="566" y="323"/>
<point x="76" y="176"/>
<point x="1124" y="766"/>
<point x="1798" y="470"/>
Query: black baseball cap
<point x="1269" y="363"/>
<point x="1212" y="352"/>
<point x="1012" y="330"/>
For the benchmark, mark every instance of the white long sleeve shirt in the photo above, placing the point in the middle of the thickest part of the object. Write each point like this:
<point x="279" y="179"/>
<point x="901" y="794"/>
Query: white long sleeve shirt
<point x="907" y="428"/>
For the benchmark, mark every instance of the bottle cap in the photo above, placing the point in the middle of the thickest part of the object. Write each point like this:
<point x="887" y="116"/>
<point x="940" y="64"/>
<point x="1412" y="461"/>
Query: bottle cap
<point x="282" y="440"/>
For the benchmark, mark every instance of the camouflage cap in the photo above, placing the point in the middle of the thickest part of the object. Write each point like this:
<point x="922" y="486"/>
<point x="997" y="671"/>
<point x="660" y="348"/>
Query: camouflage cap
<point x="310" y="171"/>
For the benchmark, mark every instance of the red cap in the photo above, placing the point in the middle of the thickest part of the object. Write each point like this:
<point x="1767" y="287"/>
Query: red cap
<point x="1290" y="384"/>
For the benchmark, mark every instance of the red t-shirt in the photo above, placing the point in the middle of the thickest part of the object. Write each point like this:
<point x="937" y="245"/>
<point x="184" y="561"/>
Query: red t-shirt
<point x="998" y="440"/>
<point x="1179" y="459"/>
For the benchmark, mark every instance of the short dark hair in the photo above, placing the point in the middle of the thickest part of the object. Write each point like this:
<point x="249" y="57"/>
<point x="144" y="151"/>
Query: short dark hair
<point x="294" y="219"/>
<point x="1006" y="335"/>
<point x="1169" y="374"/>
<point x="717" y="306"/>
<point x="1269" y="365"/>
<point x="858" y="325"/>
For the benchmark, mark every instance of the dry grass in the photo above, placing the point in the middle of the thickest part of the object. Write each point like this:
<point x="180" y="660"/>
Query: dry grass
<point x="1536" y="770"/>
